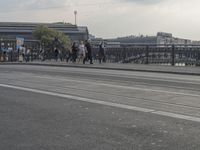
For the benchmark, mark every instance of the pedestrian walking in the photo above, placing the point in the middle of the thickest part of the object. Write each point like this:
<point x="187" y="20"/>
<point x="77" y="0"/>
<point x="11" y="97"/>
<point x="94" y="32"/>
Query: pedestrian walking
<point x="101" y="53"/>
<point x="4" y="56"/>
<point x="72" y="53"/>
<point x="56" y="54"/>
<point x="60" y="55"/>
<point x="1" y="55"/>
<point x="82" y="52"/>
<point x="88" y="52"/>
<point x="27" y="55"/>
<point x="69" y="55"/>
<point x="75" y="50"/>
<point x="42" y="55"/>
<point x="23" y="51"/>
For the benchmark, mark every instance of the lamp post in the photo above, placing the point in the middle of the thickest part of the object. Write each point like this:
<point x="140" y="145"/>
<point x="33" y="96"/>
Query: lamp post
<point x="75" y="14"/>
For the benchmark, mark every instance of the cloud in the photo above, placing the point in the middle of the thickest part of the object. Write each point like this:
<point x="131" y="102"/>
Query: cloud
<point x="111" y="18"/>
<point x="144" y="2"/>
<point x="45" y="3"/>
<point x="6" y="5"/>
<point x="34" y="4"/>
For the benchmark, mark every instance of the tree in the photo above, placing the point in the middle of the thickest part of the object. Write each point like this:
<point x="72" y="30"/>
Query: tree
<point x="52" y="38"/>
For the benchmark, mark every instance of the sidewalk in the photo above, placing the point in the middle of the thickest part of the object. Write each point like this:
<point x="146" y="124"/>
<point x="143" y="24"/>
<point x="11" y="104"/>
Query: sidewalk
<point x="190" y="70"/>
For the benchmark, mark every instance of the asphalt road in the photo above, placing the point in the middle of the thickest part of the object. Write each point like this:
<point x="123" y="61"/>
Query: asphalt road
<point x="48" y="108"/>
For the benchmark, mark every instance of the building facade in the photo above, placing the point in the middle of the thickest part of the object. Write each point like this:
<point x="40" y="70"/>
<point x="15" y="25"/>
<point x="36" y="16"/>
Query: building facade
<point x="167" y="39"/>
<point x="10" y="30"/>
<point x="161" y="38"/>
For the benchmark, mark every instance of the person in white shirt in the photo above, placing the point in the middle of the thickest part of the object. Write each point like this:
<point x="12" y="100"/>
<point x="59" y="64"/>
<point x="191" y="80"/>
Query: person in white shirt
<point x="82" y="51"/>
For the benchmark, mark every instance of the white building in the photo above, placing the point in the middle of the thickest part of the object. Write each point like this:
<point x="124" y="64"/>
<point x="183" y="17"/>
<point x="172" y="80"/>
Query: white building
<point x="168" y="39"/>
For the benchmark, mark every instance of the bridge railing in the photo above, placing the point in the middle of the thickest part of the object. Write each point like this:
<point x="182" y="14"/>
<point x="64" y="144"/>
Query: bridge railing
<point x="153" y="54"/>
<point x="139" y="54"/>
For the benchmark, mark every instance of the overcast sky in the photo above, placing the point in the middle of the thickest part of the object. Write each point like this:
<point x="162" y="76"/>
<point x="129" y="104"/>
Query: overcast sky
<point x="112" y="18"/>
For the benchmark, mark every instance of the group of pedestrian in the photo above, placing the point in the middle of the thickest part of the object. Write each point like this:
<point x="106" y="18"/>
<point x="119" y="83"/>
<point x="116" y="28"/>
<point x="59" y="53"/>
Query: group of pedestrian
<point x="80" y="53"/>
<point x="83" y="52"/>
<point x="24" y="53"/>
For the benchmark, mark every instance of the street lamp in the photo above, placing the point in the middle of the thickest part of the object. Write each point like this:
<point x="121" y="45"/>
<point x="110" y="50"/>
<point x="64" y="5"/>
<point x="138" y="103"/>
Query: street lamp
<point x="75" y="14"/>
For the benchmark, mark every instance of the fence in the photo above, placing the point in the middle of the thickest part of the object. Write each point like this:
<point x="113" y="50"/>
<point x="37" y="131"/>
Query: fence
<point x="140" y="54"/>
<point x="154" y="54"/>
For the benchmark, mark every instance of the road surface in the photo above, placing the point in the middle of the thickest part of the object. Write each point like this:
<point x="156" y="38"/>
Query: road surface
<point x="48" y="108"/>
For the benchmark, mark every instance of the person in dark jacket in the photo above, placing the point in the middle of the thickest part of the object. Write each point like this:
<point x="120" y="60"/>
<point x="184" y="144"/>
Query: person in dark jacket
<point x="101" y="53"/>
<point x="56" y="54"/>
<point x="88" y="52"/>
<point x="72" y="53"/>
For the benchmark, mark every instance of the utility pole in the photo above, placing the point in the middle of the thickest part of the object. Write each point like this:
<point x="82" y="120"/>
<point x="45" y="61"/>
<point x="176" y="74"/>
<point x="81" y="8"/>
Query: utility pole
<point x="75" y="14"/>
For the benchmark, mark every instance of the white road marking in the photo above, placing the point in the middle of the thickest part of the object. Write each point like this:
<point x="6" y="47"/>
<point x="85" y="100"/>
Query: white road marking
<point x="117" y="86"/>
<point x="120" y="86"/>
<point x="179" y="116"/>
<point x="77" y="98"/>
<point x="117" y="105"/>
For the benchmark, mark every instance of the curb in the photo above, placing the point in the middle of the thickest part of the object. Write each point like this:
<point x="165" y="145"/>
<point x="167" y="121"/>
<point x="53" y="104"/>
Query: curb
<point x="105" y="68"/>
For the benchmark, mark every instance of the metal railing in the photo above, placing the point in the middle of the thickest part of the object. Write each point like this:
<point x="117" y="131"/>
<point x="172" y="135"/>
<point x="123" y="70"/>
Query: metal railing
<point x="154" y="54"/>
<point x="139" y="54"/>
